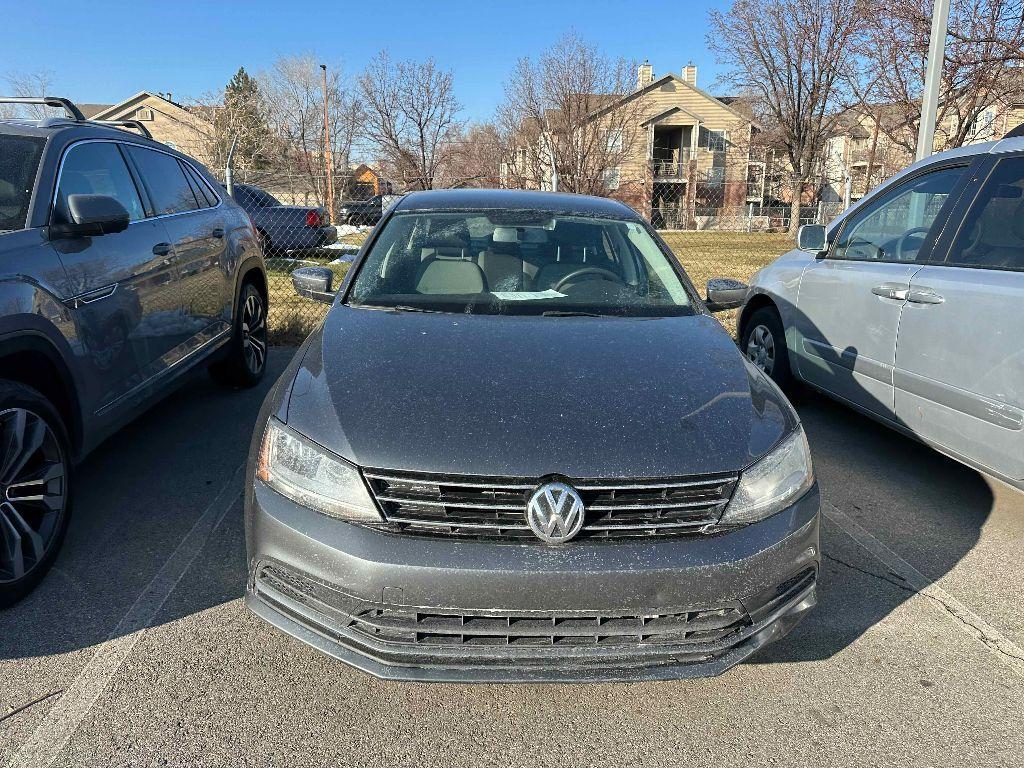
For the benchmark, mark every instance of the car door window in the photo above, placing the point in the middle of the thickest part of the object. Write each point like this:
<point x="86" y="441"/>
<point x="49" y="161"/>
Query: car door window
<point x="165" y="180"/>
<point x="19" y="162"/>
<point x="200" y="188"/>
<point x="992" y="233"/>
<point x="97" y="168"/>
<point x="894" y="227"/>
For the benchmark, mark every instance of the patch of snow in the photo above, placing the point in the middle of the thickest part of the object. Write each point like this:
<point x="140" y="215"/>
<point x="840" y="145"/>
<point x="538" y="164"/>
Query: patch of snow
<point x="350" y="229"/>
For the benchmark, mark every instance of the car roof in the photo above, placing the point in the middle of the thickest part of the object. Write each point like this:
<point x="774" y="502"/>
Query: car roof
<point x="74" y="129"/>
<point x="25" y="128"/>
<point x="514" y="199"/>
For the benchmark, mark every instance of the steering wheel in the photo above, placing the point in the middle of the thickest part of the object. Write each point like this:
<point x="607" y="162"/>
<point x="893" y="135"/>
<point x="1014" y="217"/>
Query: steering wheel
<point x="901" y="243"/>
<point x="597" y="273"/>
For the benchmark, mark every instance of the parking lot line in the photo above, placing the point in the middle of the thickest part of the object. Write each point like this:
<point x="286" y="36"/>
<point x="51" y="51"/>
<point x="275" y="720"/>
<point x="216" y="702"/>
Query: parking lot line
<point x="60" y="723"/>
<point x="1000" y="646"/>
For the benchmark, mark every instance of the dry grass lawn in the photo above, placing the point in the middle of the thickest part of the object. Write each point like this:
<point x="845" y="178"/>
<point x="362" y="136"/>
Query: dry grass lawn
<point x="703" y="254"/>
<point x="725" y="254"/>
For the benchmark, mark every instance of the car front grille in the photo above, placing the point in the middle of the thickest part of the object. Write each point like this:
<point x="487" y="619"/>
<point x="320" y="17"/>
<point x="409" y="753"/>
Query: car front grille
<point x="494" y="508"/>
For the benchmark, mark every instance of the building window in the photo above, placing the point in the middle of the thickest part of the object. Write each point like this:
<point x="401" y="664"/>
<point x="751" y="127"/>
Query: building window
<point x="716" y="176"/>
<point x="615" y="140"/>
<point x="713" y="140"/>
<point x="611" y="178"/>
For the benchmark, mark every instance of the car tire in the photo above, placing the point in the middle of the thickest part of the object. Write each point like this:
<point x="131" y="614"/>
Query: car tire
<point x="35" y="461"/>
<point x="246" y="358"/>
<point x="763" y="343"/>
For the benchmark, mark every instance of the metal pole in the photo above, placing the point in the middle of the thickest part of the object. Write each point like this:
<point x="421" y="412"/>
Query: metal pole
<point x="229" y="172"/>
<point x="328" y="164"/>
<point x="847" y="191"/>
<point x="932" y="79"/>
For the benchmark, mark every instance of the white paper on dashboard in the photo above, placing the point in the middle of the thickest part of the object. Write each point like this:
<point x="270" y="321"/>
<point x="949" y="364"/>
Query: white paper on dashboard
<point x="527" y="295"/>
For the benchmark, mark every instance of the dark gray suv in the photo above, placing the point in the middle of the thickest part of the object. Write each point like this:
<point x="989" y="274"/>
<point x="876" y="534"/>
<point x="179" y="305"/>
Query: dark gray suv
<point x="519" y="448"/>
<point x="122" y="267"/>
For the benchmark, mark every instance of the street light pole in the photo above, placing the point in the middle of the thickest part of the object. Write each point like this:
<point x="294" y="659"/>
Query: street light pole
<point x="328" y="163"/>
<point x="932" y="79"/>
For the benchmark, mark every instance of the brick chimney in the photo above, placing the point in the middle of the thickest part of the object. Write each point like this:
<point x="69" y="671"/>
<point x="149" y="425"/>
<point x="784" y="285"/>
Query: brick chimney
<point x="644" y="75"/>
<point x="690" y="74"/>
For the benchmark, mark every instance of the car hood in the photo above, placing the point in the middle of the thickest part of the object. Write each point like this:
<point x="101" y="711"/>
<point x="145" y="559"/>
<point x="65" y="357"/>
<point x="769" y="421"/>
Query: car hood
<point x="533" y="396"/>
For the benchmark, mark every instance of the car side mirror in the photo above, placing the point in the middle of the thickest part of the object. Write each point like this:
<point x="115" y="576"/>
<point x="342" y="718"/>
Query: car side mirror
<point x="811" y="238"/>
<point x="725" y="293"/>
<point x="91" y="216"/>
<point x="314" y="283"/>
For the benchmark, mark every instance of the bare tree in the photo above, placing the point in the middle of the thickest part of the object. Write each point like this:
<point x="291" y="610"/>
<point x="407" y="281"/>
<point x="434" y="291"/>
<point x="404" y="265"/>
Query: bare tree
<point x="23" y="84"/>
<point x="412" y="117"/>
<point x="475" y="157"/>
<point x="293" y="92"/>
<point x="984" y="50"/>
<point x="790" y="56"/>
<point x="567" y="115"/>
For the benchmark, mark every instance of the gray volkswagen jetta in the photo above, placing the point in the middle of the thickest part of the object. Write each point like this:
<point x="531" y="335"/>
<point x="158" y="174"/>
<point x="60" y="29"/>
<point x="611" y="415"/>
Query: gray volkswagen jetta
<point x="520" y="449"/>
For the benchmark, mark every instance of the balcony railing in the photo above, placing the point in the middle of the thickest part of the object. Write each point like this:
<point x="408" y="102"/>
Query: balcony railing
<point x="672" y="168"/>
<point x="665" y="170"/>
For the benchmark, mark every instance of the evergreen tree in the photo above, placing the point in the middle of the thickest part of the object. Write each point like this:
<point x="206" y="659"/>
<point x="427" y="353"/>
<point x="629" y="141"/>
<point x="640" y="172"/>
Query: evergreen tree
<point x="244" y="114"/>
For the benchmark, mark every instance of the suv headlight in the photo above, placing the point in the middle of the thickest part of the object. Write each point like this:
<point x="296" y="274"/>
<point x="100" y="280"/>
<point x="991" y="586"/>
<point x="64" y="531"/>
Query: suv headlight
<point x="309" y="475"/>
<point x="773" y="483"/>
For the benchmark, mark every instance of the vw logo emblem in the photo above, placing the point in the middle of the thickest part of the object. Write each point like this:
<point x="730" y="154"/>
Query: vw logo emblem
<point x="555" y="512"/>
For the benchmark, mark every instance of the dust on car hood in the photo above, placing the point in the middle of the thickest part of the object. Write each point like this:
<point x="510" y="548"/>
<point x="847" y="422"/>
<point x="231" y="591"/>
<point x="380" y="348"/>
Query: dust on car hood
<point x="534" y="396"/>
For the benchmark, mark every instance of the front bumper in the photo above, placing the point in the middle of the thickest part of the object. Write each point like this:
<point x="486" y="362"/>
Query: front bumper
<point x="313" y="577"/>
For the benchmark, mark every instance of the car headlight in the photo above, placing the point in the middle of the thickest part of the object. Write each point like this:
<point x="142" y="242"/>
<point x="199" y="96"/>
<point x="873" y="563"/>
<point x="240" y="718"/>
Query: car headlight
<point x="773" y="483"/>
<point x="309" y="475"/>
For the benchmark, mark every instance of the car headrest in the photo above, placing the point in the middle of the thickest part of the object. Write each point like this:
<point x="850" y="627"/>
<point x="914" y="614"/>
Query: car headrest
<point x="442" y="277"/>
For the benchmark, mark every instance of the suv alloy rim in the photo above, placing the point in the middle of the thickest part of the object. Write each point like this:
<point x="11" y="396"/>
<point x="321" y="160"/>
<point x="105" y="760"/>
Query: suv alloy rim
<point x="254" y="333"/>
<point x="33" y="492"/>
<point x="761" y="348"/>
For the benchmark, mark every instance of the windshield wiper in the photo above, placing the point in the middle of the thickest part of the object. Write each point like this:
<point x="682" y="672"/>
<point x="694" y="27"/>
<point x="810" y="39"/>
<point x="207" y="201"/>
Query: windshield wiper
<point x="570" y="313"/>
<point x="409" y="308"/>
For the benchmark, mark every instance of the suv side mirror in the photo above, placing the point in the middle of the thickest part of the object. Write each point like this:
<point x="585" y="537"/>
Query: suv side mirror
<point x="93" y="215"/>
<point x="725" y="293"/>
<point x="811" y="238"/>
<point x="314" y="283"/>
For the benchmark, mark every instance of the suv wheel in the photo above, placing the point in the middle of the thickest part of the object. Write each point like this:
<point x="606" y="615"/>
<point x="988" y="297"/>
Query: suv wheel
<point x="246" y="359"/>
<point x="35" y="489"/>
<point x="764" y="344"/>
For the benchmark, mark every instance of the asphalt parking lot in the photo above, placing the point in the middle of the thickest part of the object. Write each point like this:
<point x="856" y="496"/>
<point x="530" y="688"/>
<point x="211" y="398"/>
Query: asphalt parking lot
<point x="137" y="649"/>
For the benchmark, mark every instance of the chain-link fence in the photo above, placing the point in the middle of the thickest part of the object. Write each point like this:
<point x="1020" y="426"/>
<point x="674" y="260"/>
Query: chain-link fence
<point x="716" y="227"/>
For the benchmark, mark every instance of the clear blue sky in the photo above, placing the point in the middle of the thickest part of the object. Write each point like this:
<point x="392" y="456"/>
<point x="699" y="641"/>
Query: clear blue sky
<point x="107" y="51"/>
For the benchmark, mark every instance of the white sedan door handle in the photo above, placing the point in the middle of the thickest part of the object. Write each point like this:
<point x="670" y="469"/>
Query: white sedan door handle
<point x="896" y="291"/>
<point x="924" y="296"/>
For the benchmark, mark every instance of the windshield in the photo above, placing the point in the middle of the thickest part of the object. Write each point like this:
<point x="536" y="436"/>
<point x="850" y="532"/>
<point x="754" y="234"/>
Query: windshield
<point x="19" y="160"/>
<point x="518" y="263"/>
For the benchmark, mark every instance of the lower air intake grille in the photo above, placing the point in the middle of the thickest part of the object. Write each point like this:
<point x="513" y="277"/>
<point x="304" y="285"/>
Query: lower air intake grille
<point x="406" y="626"/>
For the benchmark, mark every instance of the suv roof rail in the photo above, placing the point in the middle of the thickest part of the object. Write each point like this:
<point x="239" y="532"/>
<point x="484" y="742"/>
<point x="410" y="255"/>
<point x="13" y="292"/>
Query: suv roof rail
<point x="74" y="113"/>
<point x="67" y="105"/>
<point x="137" y="125"/>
